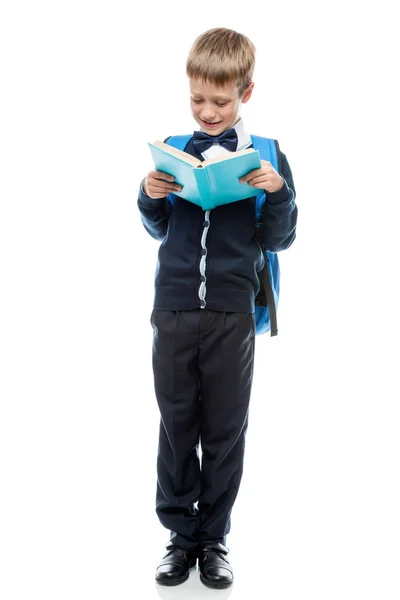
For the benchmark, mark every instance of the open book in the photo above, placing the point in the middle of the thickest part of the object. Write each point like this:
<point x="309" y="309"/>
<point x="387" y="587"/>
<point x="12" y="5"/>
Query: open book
<point x="209" y="183"/>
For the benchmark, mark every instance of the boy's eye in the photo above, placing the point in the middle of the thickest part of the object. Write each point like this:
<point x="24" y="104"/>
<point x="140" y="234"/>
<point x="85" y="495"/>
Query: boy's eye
<point x="217" y="103"/>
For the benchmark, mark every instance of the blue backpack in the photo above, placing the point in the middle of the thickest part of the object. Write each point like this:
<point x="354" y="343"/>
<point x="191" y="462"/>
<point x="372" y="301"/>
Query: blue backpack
<point x="267" y="298"/>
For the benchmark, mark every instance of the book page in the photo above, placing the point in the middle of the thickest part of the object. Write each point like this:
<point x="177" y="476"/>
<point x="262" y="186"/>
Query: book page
<point x="191" y="160"/>
<point x="226" y="157"/>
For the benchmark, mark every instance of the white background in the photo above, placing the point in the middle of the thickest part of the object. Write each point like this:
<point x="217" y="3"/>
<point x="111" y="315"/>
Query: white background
<point x="85" y="86"/>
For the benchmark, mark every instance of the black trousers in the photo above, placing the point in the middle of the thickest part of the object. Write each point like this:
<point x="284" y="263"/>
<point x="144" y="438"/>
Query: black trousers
<point x="203" y="371"/>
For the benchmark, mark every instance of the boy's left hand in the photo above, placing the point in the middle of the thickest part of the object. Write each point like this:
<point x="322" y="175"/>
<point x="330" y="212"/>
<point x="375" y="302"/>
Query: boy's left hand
<point x="265" y="178"/>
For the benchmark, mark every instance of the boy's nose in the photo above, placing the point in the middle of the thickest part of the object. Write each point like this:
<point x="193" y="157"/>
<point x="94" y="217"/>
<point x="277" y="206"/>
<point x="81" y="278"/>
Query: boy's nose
<point x="208" y="116"/>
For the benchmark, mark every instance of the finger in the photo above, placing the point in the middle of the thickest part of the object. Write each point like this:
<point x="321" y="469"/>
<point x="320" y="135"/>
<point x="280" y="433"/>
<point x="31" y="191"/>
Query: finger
<point x="260" y="179"/>
<point x="159" y="194"/>
<point x="154" y="195"/>
<point x="260" y="186"/>
<point x="158" y="188"/>
<point x="161" y="182"/>
<point x="163" y="176"/>
<point x="249" y="176"/>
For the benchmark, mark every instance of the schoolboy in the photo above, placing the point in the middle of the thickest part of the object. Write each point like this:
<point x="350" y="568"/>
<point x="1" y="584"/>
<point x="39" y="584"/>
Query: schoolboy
<point x="203" y="315"/>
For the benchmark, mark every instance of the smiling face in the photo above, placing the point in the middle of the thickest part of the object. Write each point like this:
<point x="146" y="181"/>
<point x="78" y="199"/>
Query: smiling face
<point x="216" y="108"/>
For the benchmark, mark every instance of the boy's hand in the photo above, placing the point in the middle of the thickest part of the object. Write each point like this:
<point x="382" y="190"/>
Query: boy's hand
<point x="265" y="178"/>
<point x="158" y="184"/>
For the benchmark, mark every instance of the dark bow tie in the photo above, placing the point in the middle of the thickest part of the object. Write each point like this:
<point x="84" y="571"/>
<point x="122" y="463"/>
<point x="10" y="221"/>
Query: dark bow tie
<point x="202" y="141"/>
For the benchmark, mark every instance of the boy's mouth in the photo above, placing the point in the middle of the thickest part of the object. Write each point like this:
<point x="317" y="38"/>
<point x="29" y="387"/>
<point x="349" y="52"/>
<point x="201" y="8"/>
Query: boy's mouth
<point x="209" y="124"/>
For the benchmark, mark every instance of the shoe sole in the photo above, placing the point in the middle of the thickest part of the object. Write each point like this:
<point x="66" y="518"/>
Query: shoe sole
<point x="215" y="585"/>
<point x="175" y="581"/>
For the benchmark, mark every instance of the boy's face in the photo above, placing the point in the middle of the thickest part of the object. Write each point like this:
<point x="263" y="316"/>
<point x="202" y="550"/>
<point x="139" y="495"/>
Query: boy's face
<point x="216" y="108"/>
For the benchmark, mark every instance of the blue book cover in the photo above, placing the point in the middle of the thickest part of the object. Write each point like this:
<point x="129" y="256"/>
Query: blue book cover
<point x="212" y="182"/>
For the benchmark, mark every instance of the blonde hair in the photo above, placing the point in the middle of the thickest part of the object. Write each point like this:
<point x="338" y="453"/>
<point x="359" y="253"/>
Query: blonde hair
<point x="222" y="56"/>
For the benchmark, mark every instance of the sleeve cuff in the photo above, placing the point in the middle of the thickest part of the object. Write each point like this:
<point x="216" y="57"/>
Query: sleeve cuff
<point x="142" y="187"/>
<point x="279" y="196"/>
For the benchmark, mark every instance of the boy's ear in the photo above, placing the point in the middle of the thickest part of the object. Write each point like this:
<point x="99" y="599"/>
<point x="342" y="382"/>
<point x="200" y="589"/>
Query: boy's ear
<point x="248" y="92"/>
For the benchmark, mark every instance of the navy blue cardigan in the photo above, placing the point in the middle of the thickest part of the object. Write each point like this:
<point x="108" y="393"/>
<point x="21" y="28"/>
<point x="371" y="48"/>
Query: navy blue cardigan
<point x="226" y="279"/>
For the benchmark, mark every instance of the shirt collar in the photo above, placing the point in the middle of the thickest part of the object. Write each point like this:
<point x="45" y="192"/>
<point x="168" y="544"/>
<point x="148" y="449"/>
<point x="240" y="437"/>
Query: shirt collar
<point x="244" y="141"/>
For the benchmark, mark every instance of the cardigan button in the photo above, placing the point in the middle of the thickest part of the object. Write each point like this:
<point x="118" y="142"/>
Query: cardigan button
<point x="206" y="223"/>
<point x="204" y="251"/>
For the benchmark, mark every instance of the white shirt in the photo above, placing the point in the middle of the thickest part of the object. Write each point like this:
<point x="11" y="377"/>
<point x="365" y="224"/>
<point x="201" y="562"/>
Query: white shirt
<point x="244" y="141"/>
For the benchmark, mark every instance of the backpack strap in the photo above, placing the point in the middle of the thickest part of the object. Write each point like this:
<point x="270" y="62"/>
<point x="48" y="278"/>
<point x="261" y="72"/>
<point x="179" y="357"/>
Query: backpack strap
<point x="178" y="141"/>
<point x="269" y="150"/>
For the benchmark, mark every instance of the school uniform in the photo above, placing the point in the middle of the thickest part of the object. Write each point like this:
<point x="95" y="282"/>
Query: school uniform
<point x="203" y="346"/>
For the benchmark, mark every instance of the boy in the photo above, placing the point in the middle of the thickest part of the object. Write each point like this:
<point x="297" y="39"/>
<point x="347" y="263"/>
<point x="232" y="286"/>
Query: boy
<point x="203" y="316"/>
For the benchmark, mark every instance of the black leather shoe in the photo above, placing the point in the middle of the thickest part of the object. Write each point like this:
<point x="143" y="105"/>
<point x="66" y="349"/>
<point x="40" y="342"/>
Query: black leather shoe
<point x="215" y="569"/>
<point x="174" y="567"/>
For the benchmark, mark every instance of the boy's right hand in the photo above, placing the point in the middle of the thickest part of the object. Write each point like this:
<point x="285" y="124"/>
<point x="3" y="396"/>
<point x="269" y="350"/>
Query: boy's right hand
<point x="158" y="184"/>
